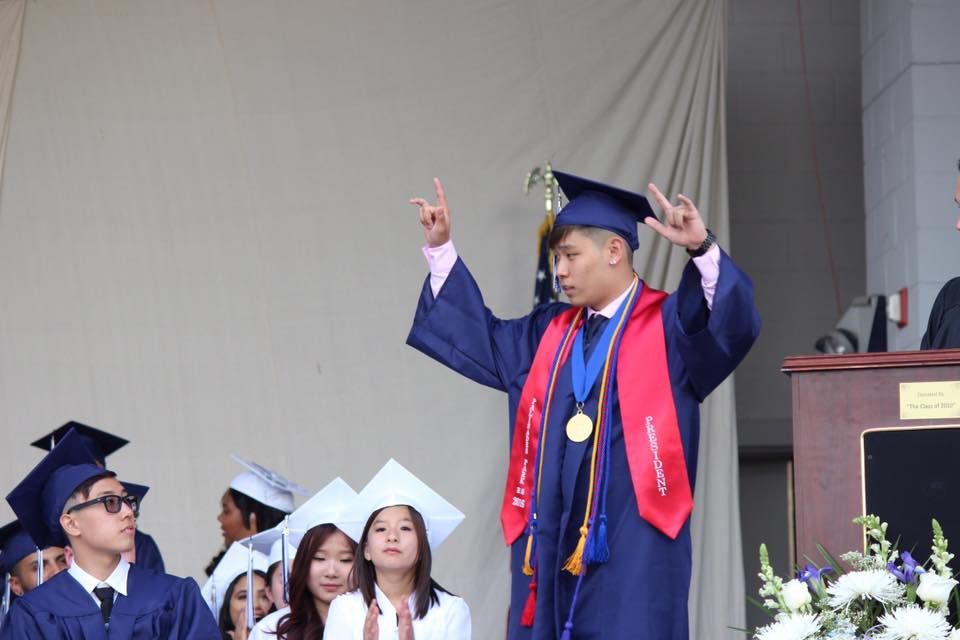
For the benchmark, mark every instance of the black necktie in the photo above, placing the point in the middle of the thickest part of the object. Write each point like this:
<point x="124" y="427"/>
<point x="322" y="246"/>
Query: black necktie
<point x="105" y="596"/>
<point x="595" y="325"/>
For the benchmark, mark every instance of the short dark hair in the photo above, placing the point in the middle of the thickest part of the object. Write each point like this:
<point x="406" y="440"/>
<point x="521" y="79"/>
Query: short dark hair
<point x="87" y="485"/>
<point x="599" y="235"/>
<point x="425" y="588"/>
<point x="267" y="517"/>
<point x="224" y="620"/>
<point x="303" y="621"/>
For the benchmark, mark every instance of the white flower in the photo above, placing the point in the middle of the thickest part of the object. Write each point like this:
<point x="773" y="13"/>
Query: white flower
<point x="796" y="595"/>
<point x="790" y="626"/>
<point x="954" y="635"/>
<point x="878" y="584"/>
<point x="913" y="623"/>
<point x="935" y="589"/>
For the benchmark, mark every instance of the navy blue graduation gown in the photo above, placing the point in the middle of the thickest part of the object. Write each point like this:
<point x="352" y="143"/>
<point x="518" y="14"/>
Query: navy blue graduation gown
<point x="148" y="553"/>
<point x="157" y="606"/>
<point x="641" y="593"/>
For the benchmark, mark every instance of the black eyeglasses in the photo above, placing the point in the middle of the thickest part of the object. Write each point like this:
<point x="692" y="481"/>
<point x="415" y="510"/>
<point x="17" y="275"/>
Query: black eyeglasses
<point x="112" y="503"/>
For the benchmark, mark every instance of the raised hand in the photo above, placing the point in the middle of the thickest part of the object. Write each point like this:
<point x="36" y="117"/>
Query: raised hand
<point x="405" y="622"/>
<point x="682" y="224"/>
<point x="435" y="218"/>
<point x="371" y="628"/>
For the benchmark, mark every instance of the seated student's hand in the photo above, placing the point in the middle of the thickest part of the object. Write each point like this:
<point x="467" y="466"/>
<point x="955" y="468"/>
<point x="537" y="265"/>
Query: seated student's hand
<point x="371" y="628"/>
<point x="405" y="622"/>
<point x="682" y="224"/>
<point x="435" y="218"/>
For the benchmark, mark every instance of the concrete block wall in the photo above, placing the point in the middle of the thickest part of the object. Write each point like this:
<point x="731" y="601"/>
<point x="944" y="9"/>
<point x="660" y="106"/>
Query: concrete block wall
<point x="911" y="141"/>
<point x="777" y="234"/>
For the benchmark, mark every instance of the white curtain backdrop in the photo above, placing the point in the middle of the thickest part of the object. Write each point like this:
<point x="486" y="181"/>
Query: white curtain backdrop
<point x="205" y="244"/>
<point x="11" y="32"/>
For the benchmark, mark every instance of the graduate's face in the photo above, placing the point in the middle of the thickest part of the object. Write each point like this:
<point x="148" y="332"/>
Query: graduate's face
<point x="231" y="521"/>
<point x="23" y="576"/>
<point x="275" y="588"/>
<point x="95" y="528"/>
<point x="392" y="541"/>
<point x="238" y="600"/>
<point x="587" y="270"/>
<point x="330" y="567"/>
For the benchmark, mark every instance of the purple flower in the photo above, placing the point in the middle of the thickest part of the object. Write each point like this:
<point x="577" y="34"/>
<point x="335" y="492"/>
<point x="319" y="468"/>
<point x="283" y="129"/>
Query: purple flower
<point x="811" y="574"/>
<point x="910" y="570"/>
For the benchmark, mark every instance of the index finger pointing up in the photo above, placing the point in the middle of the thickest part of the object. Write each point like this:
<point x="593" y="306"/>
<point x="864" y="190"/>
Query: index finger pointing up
<point x="441" y="195"/>
<point x="659" y="197"/>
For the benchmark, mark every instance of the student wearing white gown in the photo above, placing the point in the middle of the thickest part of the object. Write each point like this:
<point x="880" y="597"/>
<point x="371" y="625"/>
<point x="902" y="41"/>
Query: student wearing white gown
<point x="396" y="598"/>
<point x="324" y="531"/>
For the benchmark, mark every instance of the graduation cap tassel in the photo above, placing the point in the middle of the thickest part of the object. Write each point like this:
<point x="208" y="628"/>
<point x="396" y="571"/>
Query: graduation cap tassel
<point x="250" y="587"/>
<point x="5" y="604"/>
<point x="284" y="570"/>
<point x="574" y="563"/>
<point x="530" y="608"/>
<point x="39" y="567"/>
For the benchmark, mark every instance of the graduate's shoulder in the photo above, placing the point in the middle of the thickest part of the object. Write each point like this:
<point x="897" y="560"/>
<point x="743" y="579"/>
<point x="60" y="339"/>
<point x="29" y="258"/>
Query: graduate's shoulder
<point x="60" y="594"/>
<point x="152" y="589"/>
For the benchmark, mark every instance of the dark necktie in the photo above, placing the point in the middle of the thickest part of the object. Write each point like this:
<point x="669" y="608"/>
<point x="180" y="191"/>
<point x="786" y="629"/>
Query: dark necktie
<point x="595" y="325"/>
<point x="105" y="596"/>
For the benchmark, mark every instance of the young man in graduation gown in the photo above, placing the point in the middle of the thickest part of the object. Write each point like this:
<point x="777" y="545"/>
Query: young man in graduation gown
<point x="101" y="444"/>
<point x="101" y="595"/>
<point x="603" y="447"/>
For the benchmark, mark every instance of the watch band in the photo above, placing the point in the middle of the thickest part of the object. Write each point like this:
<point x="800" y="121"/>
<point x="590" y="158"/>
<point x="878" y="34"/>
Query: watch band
<point x="703" y="248"/>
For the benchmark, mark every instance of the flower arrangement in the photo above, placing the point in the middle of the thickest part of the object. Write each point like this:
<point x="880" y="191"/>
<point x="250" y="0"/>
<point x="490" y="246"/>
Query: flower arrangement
<point x="886" y="596"/>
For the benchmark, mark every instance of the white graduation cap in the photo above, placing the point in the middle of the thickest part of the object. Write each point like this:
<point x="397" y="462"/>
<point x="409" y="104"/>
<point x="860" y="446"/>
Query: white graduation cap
<point x="233" y="563"/>
<point x="394" y="485"/>
<point x="268" y="543"/>
<point x="335" y="504"/>
<point x="266" y="486"/>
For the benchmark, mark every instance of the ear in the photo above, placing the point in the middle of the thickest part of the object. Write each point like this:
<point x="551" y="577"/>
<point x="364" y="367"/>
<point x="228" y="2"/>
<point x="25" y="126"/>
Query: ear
<point x="366" y="552"/>
<point x="615" y="251"/>
<point x="70" y="525"/>
<point x="15" y="586"/>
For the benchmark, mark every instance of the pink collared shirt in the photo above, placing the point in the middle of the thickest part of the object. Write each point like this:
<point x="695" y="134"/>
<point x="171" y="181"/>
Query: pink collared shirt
<point x="442" y="258"/>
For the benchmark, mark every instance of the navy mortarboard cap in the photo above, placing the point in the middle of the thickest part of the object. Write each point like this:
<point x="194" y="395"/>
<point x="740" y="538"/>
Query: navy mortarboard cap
<point x="594" y="204"/>
<point x="15" y="545"/>
<point x="39" y="498"/>
<point x="100" y="443"/>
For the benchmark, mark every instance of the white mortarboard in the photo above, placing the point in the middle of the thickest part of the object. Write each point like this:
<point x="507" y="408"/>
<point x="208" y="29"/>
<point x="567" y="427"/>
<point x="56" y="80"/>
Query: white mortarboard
<point x="335" y="504"/>
<point x="276" y="552"/>
<point x="232" y="564"/>
<point x="266" y="486"/>
<point x="394" y="485"/>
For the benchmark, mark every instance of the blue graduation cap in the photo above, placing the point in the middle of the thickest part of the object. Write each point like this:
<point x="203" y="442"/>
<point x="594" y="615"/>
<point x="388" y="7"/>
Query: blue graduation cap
<point x="15" y="545"/>
<point x="594" y="204"/>
<point x="100" y="443"/>
<point x="39" y="498"/>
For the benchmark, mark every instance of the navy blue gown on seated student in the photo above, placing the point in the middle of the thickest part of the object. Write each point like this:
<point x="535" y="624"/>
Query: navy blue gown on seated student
<point x="159" y="606"/>
<point x="148" y="553"/>
<point x="641" y="592"/>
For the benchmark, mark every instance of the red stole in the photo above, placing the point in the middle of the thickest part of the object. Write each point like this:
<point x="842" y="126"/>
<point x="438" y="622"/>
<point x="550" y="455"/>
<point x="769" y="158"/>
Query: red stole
<point x="650" y="428"/>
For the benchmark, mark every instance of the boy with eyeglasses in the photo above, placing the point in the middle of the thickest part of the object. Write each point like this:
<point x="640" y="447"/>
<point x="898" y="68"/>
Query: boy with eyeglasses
<point x="66" y="498"/>
<point x="101" y="444"/>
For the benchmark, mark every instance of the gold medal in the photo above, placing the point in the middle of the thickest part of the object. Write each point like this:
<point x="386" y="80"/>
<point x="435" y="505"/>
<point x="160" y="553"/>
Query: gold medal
<point x="579" y="427"/>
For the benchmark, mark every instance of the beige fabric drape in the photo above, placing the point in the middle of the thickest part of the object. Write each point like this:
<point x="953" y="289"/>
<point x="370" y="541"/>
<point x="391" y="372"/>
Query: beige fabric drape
<point x="206" y="243"/>
<point x="11" y="32"/>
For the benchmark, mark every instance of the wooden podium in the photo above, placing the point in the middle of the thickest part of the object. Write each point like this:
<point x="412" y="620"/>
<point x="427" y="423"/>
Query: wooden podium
<point x="835" y="399"/>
